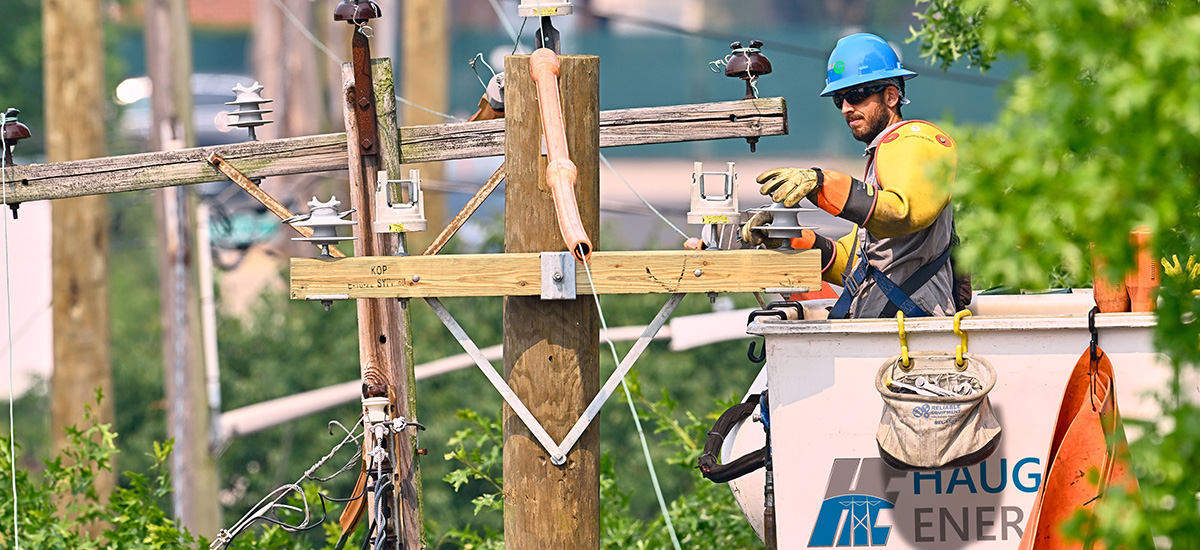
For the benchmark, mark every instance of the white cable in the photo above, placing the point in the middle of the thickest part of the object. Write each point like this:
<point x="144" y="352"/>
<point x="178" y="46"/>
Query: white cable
<point x="300" y="25"/>
<point x="662" y="504"/>
<point x="12" y="426"/>
<point x="639" y="195"/>
<point x="308" y="34"/>
<point x="512" y="33"/>
<point x="430" y="111"/>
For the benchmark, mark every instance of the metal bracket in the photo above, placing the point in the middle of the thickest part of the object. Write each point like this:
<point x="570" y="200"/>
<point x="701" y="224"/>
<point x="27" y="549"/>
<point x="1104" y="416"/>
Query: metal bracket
<point x="558" y="276"/>
<point x="394" y="214"/>
<point x="558" y="452"/>
<point x="717" y="209"/>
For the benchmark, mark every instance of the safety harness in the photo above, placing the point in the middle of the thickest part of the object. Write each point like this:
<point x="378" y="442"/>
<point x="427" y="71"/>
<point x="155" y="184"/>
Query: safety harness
<point x="899" y="296"/>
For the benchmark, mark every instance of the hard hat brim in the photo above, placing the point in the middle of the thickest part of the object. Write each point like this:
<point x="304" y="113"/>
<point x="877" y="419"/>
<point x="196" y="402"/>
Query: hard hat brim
<point x="855" y="81"/>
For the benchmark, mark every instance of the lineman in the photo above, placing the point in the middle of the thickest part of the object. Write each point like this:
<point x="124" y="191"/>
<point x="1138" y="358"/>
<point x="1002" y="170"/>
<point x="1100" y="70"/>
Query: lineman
<point x="897" y="256"/>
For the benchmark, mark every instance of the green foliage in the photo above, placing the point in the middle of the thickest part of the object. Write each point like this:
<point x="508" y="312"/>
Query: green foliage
<point x="1097" y="138"/>
<point x="705" y="516"/>
<point x="57" y="508"/>
<point x="947" y="35"/>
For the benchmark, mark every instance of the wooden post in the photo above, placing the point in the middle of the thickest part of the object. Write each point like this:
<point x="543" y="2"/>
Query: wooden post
<point x="425" y="80"/>
<point x="385" y="346"/>
<point x="193" y="470"/>
<point x="74" y="57"/>
<point x="551" y="348"/>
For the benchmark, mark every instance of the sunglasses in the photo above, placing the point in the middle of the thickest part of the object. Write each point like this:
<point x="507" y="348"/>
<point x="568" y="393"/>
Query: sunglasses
<point x="856" y="95"/>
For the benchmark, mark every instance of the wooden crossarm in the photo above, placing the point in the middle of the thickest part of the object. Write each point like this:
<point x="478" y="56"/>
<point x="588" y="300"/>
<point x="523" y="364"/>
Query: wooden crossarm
<point x="653" y="272"/>
<point x="438" y="142"/>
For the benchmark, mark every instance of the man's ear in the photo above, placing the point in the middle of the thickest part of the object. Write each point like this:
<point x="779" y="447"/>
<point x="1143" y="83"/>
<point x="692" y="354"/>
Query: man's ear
<point x="891" y="96"/>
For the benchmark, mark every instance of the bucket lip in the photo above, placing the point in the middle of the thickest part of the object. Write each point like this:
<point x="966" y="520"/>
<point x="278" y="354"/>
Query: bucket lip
<point x="977" y="396"/>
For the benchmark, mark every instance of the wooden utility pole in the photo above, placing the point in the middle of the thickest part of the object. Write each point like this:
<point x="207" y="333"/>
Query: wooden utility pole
<point x="384" y="337"/>
<point x="74" y="73"/>
<point x="425" y="80"/>
<point x="193" y="471"/>
<point x="551" y="347"/>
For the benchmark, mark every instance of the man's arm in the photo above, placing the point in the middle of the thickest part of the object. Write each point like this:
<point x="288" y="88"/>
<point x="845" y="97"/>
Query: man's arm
<point x="913" y="188"/>
<point x="834" y="254"/>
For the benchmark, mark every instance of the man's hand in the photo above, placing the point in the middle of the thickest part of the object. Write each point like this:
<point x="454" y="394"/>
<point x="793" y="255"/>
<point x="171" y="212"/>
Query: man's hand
<point x="755" y="237"/>
<point x="788" y="185"/>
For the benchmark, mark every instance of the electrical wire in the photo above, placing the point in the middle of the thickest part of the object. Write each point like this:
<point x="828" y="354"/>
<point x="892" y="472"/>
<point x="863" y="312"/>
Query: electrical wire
<point x="783" y="47"/>
<point x="303" y="29"/>
<point x="662" y="503"/>
<point x="12" y="426"/>
<point x="320" y="45"/>
<point x="512" y="34"/>
<point x="643" y="199"/>
<point x="270" y="503"/>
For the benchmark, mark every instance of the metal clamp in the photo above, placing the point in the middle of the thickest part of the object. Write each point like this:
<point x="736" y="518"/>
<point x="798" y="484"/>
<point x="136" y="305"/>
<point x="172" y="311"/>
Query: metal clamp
<point x="558" y="276"/>
<point x="1092" y="348"/>
<point x="393" y="212"/>
<point x="959" y="350"/>
<point x="716" y="209"/>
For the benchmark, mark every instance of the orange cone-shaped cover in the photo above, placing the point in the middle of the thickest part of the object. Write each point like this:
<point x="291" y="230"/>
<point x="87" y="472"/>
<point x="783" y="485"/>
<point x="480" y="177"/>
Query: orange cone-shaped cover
<point x="1087" y="435"/>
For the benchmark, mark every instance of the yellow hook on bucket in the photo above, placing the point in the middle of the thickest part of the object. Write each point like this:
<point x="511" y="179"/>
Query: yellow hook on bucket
<point x="960" y="349"/>
<point x="905" y="362"/>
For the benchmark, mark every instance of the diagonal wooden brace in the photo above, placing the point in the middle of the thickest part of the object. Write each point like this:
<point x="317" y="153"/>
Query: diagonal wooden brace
<point x="263" y="197"/>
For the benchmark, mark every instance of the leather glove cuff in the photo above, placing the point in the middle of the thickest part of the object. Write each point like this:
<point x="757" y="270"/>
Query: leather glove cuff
<point x="846" y="197"/>
<point x="811" y="240"/>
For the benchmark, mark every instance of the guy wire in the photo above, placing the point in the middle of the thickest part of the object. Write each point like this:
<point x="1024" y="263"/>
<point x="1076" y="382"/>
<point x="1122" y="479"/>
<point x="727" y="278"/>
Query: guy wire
<point x="12" y="425"/>
<point x="662" y="503"/>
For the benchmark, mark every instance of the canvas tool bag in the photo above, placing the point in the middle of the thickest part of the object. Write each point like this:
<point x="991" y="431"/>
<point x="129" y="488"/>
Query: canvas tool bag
<point x="920" y="432"/>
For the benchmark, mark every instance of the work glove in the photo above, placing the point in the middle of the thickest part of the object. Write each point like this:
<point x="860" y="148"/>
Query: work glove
<point x="755" y="237"/>
<point x="788" y="185"/>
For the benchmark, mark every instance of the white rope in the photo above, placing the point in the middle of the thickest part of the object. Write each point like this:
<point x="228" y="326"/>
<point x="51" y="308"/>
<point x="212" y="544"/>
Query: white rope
<point x="643" y="199"/>
<point x="662" y="504"/>
<point x="12" y="426"/>
<point x="320" y="45"/>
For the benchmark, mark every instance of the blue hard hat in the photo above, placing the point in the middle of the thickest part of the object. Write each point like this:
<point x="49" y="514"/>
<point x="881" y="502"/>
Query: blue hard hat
<point x="861" y="58"/>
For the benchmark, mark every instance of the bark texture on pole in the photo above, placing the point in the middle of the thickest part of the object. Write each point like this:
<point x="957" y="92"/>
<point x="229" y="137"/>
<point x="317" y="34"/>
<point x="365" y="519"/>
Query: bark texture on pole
<point x="74" y="73"/>
<point x="193" y="469"/>
<point x="551" y="347"/>
<point x="385" y="343"/>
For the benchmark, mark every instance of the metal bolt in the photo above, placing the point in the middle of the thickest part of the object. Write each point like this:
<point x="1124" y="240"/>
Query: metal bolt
<point x="697" y="273"/>
<point x="416" y="278"/>
<point x="558" y="277"/>
<point x="558" y="460"/>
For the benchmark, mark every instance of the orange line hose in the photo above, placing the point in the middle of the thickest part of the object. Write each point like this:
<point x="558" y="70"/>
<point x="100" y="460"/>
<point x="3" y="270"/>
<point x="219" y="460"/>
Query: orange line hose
<point x="560" y="171"/>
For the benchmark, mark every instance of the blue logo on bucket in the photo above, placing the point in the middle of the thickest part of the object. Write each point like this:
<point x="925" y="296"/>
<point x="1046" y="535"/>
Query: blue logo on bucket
<point x="860" y="506"/>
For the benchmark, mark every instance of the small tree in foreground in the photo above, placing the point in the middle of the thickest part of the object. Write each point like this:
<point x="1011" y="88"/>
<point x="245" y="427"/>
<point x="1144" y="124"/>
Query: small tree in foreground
<point x="1099" y="135"/>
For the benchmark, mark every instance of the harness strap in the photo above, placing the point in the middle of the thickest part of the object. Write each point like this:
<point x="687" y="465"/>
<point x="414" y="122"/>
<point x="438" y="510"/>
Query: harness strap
<point x="916" y="281"/>
<point x="899" y="296"/>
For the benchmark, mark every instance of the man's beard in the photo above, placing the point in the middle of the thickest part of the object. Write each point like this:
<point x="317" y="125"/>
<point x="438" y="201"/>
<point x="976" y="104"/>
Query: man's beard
<point x="872" y="129"/>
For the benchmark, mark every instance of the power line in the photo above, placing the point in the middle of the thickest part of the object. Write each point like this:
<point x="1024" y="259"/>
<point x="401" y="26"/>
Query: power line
<point x="784" y="47"/>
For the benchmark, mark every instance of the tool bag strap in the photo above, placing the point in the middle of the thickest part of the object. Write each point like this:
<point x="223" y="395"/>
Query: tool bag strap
<point x="709" y="463"/>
